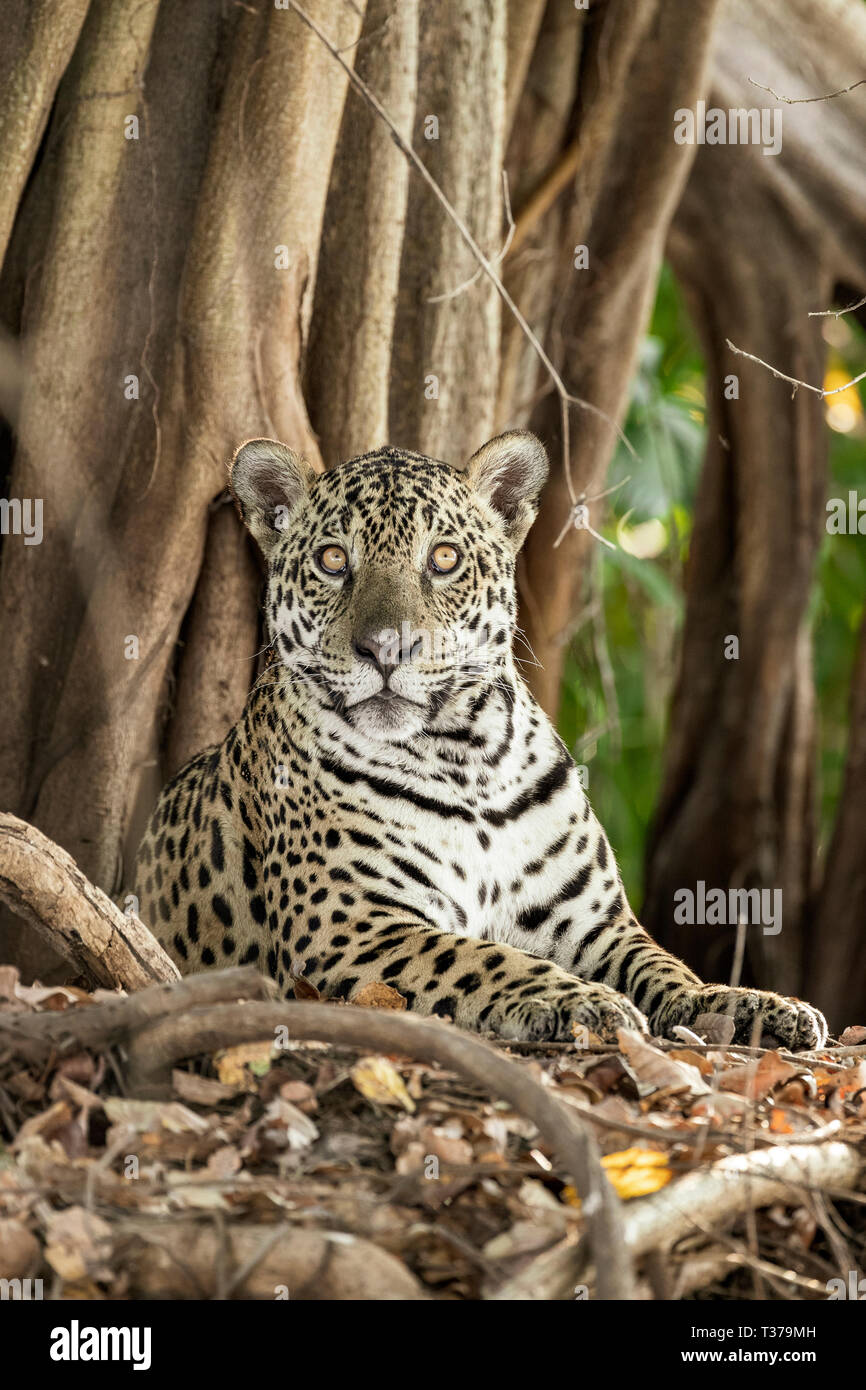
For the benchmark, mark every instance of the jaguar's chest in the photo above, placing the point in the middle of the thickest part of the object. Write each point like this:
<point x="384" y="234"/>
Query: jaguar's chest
<point x="450" y="865"/>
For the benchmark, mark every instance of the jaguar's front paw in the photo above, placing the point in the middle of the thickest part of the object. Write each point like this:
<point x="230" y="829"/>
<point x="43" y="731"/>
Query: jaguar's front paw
<point x="754" y="1012"/>
<point x="557" y="1015"/>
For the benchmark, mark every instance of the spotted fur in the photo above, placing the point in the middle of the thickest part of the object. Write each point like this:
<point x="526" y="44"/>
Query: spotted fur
<point x="410" y="817"/>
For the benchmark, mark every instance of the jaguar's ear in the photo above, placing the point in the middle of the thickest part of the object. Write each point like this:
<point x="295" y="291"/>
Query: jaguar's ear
<point x="508" y="474"/>
<point x="269" y="482"/>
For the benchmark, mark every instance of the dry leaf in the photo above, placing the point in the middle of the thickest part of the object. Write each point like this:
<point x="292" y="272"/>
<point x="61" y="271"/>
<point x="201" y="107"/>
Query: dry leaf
<point x="447" y="1143"/>
<point x="685" y="1035"/>
<point x="607" y="1073"/>
<point x="19" y="1251"/>
<point x="694" y="1059"/>
<point x="377" y="995"/>
<point x="149" y="1116"/>
<point x="855" y="1036"/>
<point x="303" y="989"/>
<point x="224" y="1162"/>
<point x="525" y="1237"/>
<point x="378" y="1080"/>
<point x="655" y="1069"/>
<point x="301" y="1095"/>
<point x="300" y="1130"/>
<point x="199" y="1197"/>
<point x="47" y="1124"/>
<point x="715" y="1028"/>
<point x="22" y="1084"/>
<point x="54" y="998"/>
<point x="78" y="1244"/>
<point x="799" y="1091"/>
<point x="584" y="1037"/>
<point x="757" y="1081"/>
<point x="851" y="1080"/>
<point x="412" y="1159"/>
<point x="779" y="1122"/>
<point x="719" y="1107"/>
<point x="201" y="1090"/>
<point x="81" y="1067"/>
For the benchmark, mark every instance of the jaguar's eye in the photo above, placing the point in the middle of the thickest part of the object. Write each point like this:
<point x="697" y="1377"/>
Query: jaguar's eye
<point x="333" y="559"/>
<point x="444" y="558"/>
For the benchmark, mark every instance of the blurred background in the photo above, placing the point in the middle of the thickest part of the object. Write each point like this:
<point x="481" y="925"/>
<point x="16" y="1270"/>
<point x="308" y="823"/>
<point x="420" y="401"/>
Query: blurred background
<point x="342" y="223"/>
<point x="643" y="581"/>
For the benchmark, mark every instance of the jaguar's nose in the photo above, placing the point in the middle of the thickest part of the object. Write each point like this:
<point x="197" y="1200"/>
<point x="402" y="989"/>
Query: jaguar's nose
<point x="388" y="649"/>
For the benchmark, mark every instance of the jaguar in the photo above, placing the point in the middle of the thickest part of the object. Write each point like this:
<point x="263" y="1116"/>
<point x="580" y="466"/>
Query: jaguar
<point x="393" y="806"/>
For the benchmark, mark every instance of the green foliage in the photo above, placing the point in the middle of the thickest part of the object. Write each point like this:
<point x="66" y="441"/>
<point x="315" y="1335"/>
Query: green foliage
<point x="641" y="588"/>
<point x="838" y="600"/>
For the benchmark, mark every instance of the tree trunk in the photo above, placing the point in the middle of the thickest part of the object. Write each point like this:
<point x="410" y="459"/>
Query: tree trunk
<point x="638" y="63"/>
<point x="759" y="242"/>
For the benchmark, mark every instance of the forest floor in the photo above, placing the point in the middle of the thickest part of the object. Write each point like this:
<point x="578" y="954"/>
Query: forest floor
<point x="305" y="1169"/>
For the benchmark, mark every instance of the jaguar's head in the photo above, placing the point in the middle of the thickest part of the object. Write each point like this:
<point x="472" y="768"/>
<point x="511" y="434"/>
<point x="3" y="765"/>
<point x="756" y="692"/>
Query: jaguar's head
<point x="391" y="588"/>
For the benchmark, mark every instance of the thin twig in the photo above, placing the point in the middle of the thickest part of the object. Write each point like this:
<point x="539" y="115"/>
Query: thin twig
<point x="578" y="516"/>
<point x="743" y="1257"/>
<point x="497" y="260"/>
<point x="800" y="101"/>
<point x="836" y="313"/>
<point x="794" y="381"/>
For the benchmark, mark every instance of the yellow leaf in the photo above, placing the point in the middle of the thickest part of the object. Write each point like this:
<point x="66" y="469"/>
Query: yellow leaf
<point x="234" y="1063"/>
<point x="631" y="1173"/>
<point x="631" y="1158"/>
<point x="637" y="1172"/>
<point x="378" y="1080"/>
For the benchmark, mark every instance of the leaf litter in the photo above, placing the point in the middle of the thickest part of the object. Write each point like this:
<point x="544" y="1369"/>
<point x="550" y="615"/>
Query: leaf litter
<point x="449" y="1181"/>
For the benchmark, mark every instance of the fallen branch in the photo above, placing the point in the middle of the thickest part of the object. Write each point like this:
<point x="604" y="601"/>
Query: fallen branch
<point x="42" y="884"/>
<point x="155" y="1050"/>
<point x="115" y="1020"/>
<point x="735" y="1185"/>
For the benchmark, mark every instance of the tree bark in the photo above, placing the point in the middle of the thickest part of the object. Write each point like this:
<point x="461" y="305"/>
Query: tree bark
<point x="445" y="361"/>
<point x="181" y="227"/>
<point x="638" y="64"/>
<point x="347" y="366"/>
